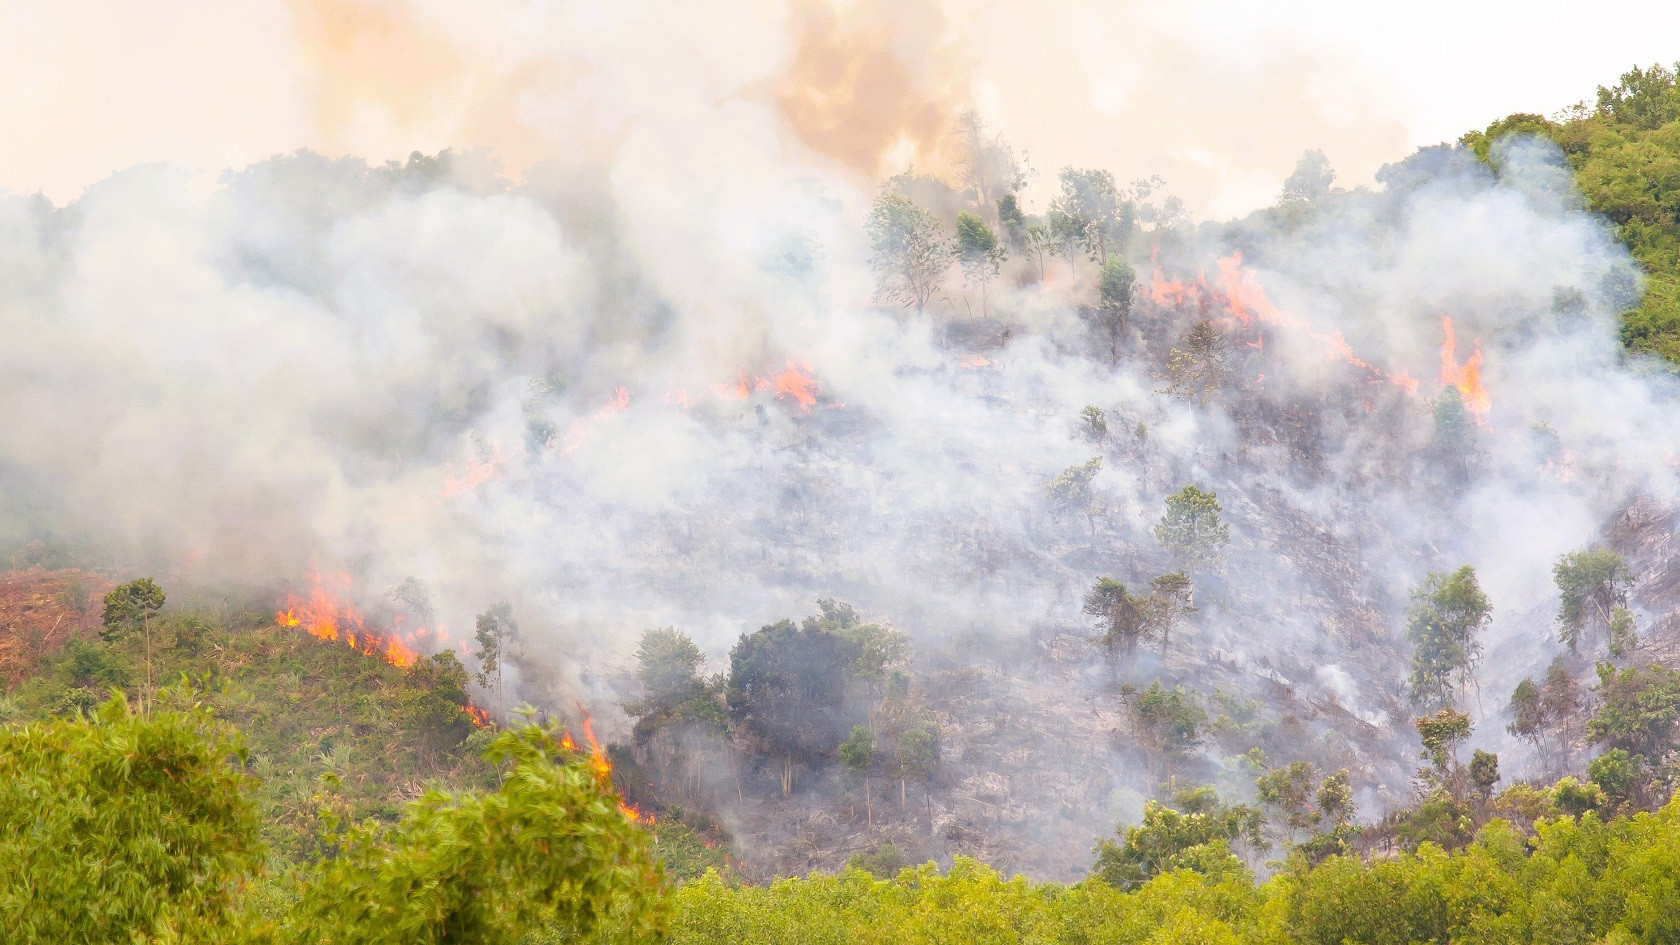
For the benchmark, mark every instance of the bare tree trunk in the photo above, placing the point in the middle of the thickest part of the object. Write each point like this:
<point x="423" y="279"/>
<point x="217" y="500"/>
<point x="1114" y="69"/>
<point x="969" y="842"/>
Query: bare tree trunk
<point x="868" y="804"/>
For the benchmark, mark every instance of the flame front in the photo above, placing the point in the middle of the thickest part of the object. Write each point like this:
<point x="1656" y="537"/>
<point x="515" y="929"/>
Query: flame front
<point x="325" y="615"/>
<point x="1468" y="378"/>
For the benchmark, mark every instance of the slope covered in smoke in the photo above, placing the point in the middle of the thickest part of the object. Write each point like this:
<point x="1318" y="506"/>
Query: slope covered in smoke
<point x="649" y="391"/>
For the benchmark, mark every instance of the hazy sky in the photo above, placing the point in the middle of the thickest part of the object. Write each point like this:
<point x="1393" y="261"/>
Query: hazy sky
<point x="1217" y="97"/>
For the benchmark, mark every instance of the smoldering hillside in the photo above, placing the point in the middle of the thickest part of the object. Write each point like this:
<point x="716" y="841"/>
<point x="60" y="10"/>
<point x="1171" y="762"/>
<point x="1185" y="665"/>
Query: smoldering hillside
<point x="621" y="397"/>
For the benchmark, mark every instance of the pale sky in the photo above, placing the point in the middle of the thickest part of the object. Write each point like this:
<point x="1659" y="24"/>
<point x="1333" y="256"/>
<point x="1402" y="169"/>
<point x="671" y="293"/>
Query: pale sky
<point x="1217" y="97"/>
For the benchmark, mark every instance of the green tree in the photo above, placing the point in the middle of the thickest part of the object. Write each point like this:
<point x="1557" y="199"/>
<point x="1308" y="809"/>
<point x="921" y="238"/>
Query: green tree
<point x="908" y="252"/>
<point x="1114" y="305"/>
<point x="1120" y="615"/>
<point x="1198" y="835"/>
<point x="1447" y="613"/>
<point x="1092" y="210"/>
<point x="1288" y="794"/>
<point x="496" y="632"/>
<point x="978" y="252"/>
<point x="1311" y="181"/>
<point x="1093" y="423"/>
<point x="1191" y="528"/>
<point x="1639" y="713"/>
<point x="857" y="753"/>
<point x="1167" y="722"/>
<point x="1441" y="735"/>
<point x="548" y="852"/>
<point x="1071" y="493"/>
<point x="1168" y="604"/>
<point x="1484" y="773"/>
<point x="129" y="608"/>
<point x="1592" y="586"/>
<point x="668" y="666"/>
<point x="115" y="828"/>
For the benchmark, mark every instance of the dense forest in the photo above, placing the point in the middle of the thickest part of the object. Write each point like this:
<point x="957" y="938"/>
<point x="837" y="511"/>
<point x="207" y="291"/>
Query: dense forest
<point x="1138" y="603"/>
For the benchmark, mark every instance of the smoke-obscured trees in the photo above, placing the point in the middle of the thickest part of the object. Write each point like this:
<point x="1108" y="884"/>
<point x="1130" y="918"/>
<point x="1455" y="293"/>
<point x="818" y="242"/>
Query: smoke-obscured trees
<point x="1593" y="593"/>
<point x="1167" y="722"/>
<point x="1551" y="708"/>
<point x="795" y="691"/>
<point x="496" y="632"/>
<point x="1196" y="367"/>
<point x="1071" y="492"/>
<point x="1091" y="211"/>
<point x="1446" y="614"/>
<point x="1197" y="833"/>
<point x="1114" y="304"/>
<point x="978" y="252"/>
<point x="1191" y="528"/>
<point x="908" y="252"/>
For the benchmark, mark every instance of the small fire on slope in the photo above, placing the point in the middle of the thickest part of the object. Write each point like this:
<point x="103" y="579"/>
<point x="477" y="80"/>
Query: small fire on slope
<point x="325" y="615"/>
<point x="1468" y="377"/>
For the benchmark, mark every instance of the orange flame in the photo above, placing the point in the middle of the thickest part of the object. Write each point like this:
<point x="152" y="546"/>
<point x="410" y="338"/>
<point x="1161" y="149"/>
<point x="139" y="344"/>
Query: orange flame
<point x="601" y="767"/>
<point x="1164" y="291"/>
<point x="1468" y="379"/>
<point x="478" y="473"/>
<point x="796" y="384"/>
<point x="1247" y="302"/>
<point x="325" y="616"/>
<point x="973" y="361"/>
<point x="480" y="718"/>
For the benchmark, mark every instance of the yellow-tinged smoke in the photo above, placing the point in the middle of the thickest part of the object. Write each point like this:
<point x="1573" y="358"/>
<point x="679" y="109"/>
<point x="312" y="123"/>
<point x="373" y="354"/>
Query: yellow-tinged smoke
<point x="869" y="86"/>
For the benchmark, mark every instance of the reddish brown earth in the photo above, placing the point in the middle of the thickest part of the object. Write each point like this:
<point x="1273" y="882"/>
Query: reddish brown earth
<point x="42" y="609"/>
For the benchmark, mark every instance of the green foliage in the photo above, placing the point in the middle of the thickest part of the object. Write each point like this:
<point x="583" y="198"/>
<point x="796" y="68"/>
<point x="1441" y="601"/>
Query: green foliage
<point x="667" y="665"/>
<point x="1168" y="722"/>
<point x="548" y="851"/>
<point x="857" y="752"/>
<point x="791" y="687"/>
<point x="1114" y="292"/>
<point x="1120" y="615"/>
<point x="1447" y="613"/>
<point x="908" y="251"/>
<point x="129" y="606"/>
<point x="1626" y="155"/>
<point x="1592" y="585"/>
<point x="115" y="828"/>
<point x="1198" y="836"/>
<point x="495" y="631"/>
<point x="1191" y="528"/>
<point x="1093" y="423"/>
<point x="1639" y="713"/>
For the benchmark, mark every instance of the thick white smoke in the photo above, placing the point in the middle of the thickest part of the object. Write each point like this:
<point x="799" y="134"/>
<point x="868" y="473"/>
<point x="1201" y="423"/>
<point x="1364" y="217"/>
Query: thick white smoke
<point x="534" y="392"/>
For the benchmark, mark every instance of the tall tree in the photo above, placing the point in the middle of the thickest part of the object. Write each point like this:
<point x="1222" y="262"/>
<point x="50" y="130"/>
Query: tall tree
<point x="1071" y="491"/>
<point x="1115" y="303"/>
<point x="978" y="252"/>
<point x="1120" y="616"/>
<point x="1447" y="613"/>
<point x="495" y="631"/>
<point x="1592" y="587"/>
<point x="1191" y="528"/>
<point x="129" y="608"/>
<point x="1168" y="722"/>
<point x="1090" y="204"/>
<point x="908" y="252"/>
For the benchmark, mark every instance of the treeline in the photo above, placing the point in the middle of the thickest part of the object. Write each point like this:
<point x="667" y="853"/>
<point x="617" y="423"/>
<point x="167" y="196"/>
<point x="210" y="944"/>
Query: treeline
<point x="1625" y="150"/>
<point x="1572" y="880"/>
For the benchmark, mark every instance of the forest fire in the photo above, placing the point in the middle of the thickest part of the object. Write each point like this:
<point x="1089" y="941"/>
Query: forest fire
<point x="794" y="383"/>
<point x="325" y="616"/>
<point x="1468" y="377"/>
<point x="1247" y="303"/>
<point x="480" y="718"/>
<point x="478" y="473"/>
